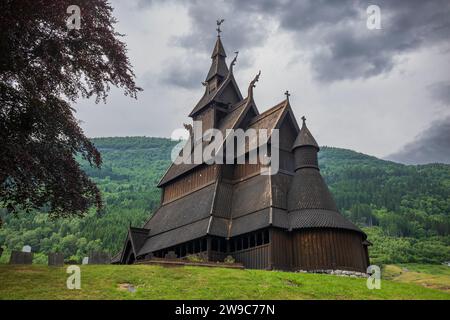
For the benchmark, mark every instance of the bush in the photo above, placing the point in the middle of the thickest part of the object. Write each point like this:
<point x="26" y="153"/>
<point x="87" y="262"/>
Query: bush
<point x="229" y="260"/>
<point x="195" y="258"/>
<point x="40" y="258"/>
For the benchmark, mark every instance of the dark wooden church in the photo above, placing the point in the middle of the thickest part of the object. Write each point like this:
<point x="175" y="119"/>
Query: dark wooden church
<point x="285" y="221"/>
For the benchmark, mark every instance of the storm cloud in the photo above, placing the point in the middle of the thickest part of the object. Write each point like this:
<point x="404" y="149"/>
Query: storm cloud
<point x="432" y="146"/>
<point x="332" y="34"/>
<point x="440" y="92"/>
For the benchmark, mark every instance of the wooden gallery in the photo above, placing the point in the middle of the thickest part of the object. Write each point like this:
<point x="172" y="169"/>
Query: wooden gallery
<point x="284" y="221"/>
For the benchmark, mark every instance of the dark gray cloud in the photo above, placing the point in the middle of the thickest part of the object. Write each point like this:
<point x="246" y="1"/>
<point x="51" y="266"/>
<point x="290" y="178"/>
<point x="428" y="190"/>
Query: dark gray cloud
<point x="440" y="92"/>
<point x="183" y="75"/>
<point x="333" y="32"/>
<point x="432" y="146"/>
<point x="343" y="47"/>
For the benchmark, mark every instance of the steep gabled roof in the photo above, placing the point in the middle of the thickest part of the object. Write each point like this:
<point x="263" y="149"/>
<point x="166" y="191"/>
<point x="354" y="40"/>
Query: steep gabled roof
<point x="176" y="236"/>
<point x="270" y="119"/>
<point x="137" y="238"/>
<point x="230" y="121"/>
<point x="181" y="220"/>
<point x="217" y="95"/>
<point x="188" y="209"/>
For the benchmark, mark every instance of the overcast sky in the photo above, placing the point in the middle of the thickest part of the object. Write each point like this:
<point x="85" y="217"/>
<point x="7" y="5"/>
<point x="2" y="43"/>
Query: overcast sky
<point x="373" y="91"/>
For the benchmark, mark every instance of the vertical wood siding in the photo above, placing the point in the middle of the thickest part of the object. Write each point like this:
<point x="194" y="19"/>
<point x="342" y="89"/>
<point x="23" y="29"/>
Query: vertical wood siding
<point x="253" y="258"/>
<point x="193" y="181"/>
<point x="313" y="249"/>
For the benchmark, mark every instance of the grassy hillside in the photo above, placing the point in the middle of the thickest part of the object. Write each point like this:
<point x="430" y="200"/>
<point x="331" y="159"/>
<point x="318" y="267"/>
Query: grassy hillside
<point x="154" y="282"/>
<point x="404" y="209"/>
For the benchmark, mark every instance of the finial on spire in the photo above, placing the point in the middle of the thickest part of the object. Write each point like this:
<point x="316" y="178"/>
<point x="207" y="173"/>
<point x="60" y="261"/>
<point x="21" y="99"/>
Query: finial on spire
<point x="233" y="62"/>
<point x="304" y="120"/>
<point x="287" y="94"/>
<point x="252" y="85"/>
<point x="219" y="22"/>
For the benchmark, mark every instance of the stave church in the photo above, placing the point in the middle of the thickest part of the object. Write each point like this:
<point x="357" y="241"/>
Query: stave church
<point x="283" y="221"/>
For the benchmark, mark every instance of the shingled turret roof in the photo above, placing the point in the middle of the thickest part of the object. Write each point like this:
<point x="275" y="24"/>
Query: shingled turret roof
<point x="310" y="203"/>
<point x="218" y="65"/>
<point x="305" y="137"/>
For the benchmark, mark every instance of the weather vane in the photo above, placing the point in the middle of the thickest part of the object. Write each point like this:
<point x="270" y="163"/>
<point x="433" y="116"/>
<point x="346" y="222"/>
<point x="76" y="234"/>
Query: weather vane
<point x="219" y="22"/>
<point x="304" y="119"/>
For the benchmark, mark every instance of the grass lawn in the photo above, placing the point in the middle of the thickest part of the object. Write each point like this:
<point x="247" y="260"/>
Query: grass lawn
<point x="155" y="282"/>
<point x="429" y="276"/>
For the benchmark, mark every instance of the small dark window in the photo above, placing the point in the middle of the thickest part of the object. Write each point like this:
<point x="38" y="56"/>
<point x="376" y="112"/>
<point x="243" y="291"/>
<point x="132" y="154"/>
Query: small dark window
<point x="223" y="245"/>
<point x="183" y="250"/>
<point x="204" y="244"/>
<point x="266" y="236"/>
<point x="245" y="245"/>
<point x="259" y="238"/>
<point x="232" y="245"/>
<point x="252" y="240"/>
<point x="239" y="243"/>
<point x="214" y="245"/>
<point x="190" y="249"/>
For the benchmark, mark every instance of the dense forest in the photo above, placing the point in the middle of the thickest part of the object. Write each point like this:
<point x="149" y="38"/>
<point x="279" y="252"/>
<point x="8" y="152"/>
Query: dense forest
<point x="405" y="210"/>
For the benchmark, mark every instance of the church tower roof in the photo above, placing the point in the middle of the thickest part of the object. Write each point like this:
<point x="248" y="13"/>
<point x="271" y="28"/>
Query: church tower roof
<point x="218" y="65"/>
<point x="220" y="86"/>
<point x="305" y="138"/>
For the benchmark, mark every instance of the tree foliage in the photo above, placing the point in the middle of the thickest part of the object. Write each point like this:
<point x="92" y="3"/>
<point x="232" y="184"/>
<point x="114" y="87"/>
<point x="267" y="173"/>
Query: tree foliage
<point x="44" y="67"/>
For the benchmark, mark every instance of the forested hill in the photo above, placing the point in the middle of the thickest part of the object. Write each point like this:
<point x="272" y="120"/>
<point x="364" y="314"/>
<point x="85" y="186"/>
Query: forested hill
<point x="404" y="209"/>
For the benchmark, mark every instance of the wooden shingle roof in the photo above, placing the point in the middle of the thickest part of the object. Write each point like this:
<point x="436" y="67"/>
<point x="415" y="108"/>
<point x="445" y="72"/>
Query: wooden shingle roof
<point x="230" y="121"/>
<point x="305" y="138"/>
<point x="188" y="209"/>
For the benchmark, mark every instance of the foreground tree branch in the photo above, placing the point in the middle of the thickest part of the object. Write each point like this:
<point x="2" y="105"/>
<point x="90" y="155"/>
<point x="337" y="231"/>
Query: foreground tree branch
<point x="44" y="67"/>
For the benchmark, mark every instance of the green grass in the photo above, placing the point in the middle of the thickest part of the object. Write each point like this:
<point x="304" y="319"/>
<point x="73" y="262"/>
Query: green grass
<point x="154" y="282"/>
<point x="426" y="275"/>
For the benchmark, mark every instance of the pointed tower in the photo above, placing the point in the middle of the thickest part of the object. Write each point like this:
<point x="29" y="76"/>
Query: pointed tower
<point x="308" y="190"/>
<point x="313" y="213"/>
<point x="221" y="89"/>
<point x="218" y="70"/>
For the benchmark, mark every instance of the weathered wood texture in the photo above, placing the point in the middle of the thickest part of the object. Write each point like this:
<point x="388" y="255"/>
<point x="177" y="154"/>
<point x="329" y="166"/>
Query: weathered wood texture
<point x="315" y="249"/>
<point x="56" y="259"/>
<point x="254" y="258"/>
<point x="100" y="258"/>
<point x="19" y="257"/>
<point x="189" y="183"/>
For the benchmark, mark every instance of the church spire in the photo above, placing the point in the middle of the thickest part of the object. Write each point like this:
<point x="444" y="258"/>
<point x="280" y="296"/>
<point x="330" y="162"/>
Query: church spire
<point x="218" y="70"/>
<point x="220" y="86"/>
